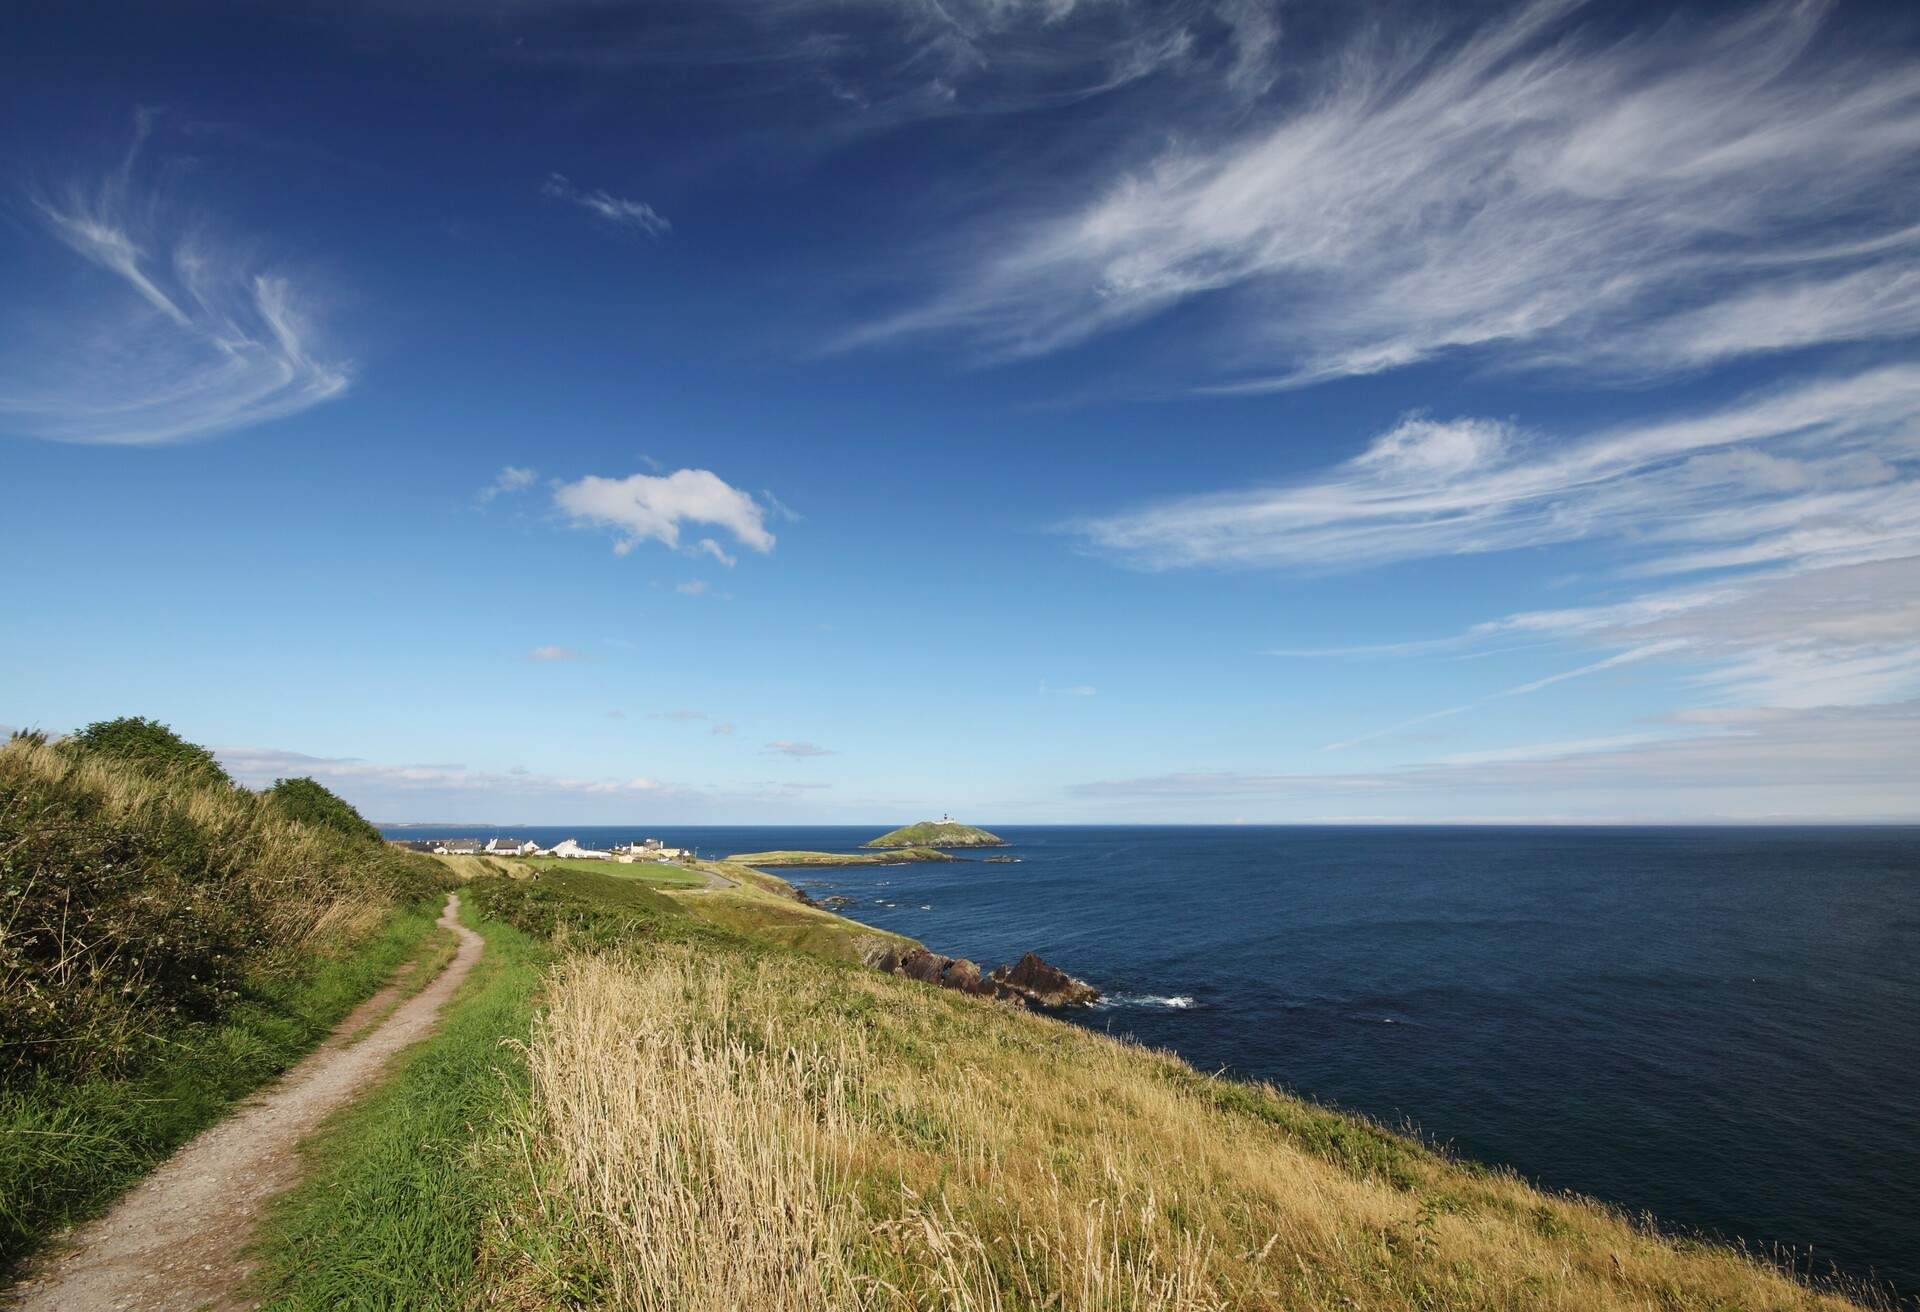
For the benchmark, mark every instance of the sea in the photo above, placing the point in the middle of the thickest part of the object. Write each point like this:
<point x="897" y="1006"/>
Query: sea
<point x="1717" y="1027"/>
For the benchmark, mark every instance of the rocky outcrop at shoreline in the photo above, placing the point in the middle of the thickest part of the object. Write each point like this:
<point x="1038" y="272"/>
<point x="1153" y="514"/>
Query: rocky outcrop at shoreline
<point x="1031" y="980"/>
<point x="1045" y="984"/>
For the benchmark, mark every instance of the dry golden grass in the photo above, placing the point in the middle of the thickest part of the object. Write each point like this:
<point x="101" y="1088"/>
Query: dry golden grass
<point x="710" y="1131"/>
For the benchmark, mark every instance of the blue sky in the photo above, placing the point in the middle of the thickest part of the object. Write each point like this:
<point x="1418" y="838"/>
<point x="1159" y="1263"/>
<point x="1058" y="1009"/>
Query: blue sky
<point x="1043" y="410"/>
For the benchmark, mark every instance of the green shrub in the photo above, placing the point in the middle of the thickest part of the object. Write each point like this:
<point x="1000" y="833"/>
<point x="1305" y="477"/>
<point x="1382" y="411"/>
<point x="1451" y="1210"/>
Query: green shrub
<point x="312" y="803"/>
<point x="150" y="747"/>
<point x="134" y="902"/>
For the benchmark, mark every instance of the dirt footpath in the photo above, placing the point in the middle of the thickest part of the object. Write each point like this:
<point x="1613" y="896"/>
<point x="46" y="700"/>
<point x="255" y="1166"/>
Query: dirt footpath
<point x="174" y="1242"/>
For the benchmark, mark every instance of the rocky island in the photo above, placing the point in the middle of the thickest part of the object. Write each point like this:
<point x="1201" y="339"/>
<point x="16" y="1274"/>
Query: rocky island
<point x="944" y="832"/>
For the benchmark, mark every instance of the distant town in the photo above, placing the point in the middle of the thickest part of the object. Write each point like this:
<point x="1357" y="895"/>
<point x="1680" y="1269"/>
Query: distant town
<point x="646" y="849"/>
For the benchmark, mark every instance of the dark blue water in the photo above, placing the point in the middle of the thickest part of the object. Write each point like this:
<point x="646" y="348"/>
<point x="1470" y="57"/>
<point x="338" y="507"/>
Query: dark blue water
<point x="1717" y="1026"/>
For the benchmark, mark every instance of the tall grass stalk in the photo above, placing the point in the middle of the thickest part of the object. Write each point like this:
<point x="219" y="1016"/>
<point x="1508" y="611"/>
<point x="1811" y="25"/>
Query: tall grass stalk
<point x="725" y="1130"/>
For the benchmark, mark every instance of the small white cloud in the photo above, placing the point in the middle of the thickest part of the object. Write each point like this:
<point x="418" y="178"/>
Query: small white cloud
<point x="692" y="587"/>
<point x="651" y="508"/>
<point x="724" y="729"/>
<point x="511" y="479"/>
<point x="633" y="215"/>
<point x="708" y="547"/>
<point x="678" y="715"/>
<point x="796" y="748"/>
<point x="553" y="652"/>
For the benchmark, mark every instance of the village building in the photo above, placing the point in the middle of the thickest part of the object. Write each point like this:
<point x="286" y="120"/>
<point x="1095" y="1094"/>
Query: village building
<point x="511" y="847"/>
<point x="457" y="847"/>
<point x="571" y="849"/>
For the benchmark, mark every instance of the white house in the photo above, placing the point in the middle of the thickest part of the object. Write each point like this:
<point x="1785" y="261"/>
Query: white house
<point x="510" y="847"/>
<point x="570" y="847"/>
<point x="458" y="847"/>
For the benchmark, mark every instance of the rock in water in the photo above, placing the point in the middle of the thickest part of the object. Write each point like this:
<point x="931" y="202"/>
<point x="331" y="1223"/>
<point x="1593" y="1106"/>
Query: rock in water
<point x="1043" y="984"/>
<point x="1031" y="980"/>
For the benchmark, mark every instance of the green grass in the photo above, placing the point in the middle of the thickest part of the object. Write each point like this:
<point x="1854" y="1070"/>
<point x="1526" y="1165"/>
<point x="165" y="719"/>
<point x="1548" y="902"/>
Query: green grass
<point x="398" y="1186"/>
<point x="646" y="872"/>
<point x="790" y="858"/>
<point x="68" y="1147"/>
<point x="583" y="903"/>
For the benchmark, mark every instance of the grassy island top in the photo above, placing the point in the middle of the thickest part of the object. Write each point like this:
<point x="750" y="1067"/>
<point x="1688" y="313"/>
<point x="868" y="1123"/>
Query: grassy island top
<point x="938" y="833"/>
<point x="888" y="858"/>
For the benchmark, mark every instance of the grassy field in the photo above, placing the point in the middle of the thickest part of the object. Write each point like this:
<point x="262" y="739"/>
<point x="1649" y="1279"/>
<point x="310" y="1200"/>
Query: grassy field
<point x="722" y="1129"/>
<point x="642" y="1105"/>
<point x="647" y="872"/>
<point x="840" y="858"/>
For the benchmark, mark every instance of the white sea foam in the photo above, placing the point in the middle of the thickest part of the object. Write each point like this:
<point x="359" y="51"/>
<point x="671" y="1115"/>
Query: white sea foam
<point x="1178" y="1001"/>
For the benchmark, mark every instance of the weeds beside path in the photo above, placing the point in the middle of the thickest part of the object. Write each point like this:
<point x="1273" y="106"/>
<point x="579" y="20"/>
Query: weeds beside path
<point x="176" y="1240"/>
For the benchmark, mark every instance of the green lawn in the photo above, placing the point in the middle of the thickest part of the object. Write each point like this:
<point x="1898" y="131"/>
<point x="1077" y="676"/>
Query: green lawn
<point x="647" y="872"/>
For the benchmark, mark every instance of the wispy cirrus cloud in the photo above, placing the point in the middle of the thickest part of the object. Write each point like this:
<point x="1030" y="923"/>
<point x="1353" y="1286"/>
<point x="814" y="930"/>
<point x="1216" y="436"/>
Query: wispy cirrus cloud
<point x="1820" y="471"/>
<point x="424" y="791"/>
<point x="796" y="748"/>
<point x="1733" y="763"/>
<point x="196" y="335"/>
<point x="852" y="66"/>
<point x="1795" y="637"/>
<point x="1797" y="509"/>
<point x="1702" y="189"/>
<point x="631" y="215"/>
<point x="553" y="652"/>
<point x="653" y="508"/>
<point x="1628" y="657"/>
<point x="256" y="765"/>
<point x="718" y="728"/>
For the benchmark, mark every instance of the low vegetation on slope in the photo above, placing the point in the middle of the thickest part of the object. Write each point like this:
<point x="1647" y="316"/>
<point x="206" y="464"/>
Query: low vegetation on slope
<point x="167" y="941"/>
<point x="796" y="859"/>
<point x="724" y="1128"/>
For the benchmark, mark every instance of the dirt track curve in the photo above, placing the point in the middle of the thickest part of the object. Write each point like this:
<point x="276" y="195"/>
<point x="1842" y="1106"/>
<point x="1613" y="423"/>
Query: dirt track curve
<point x="175" y="1241"/>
